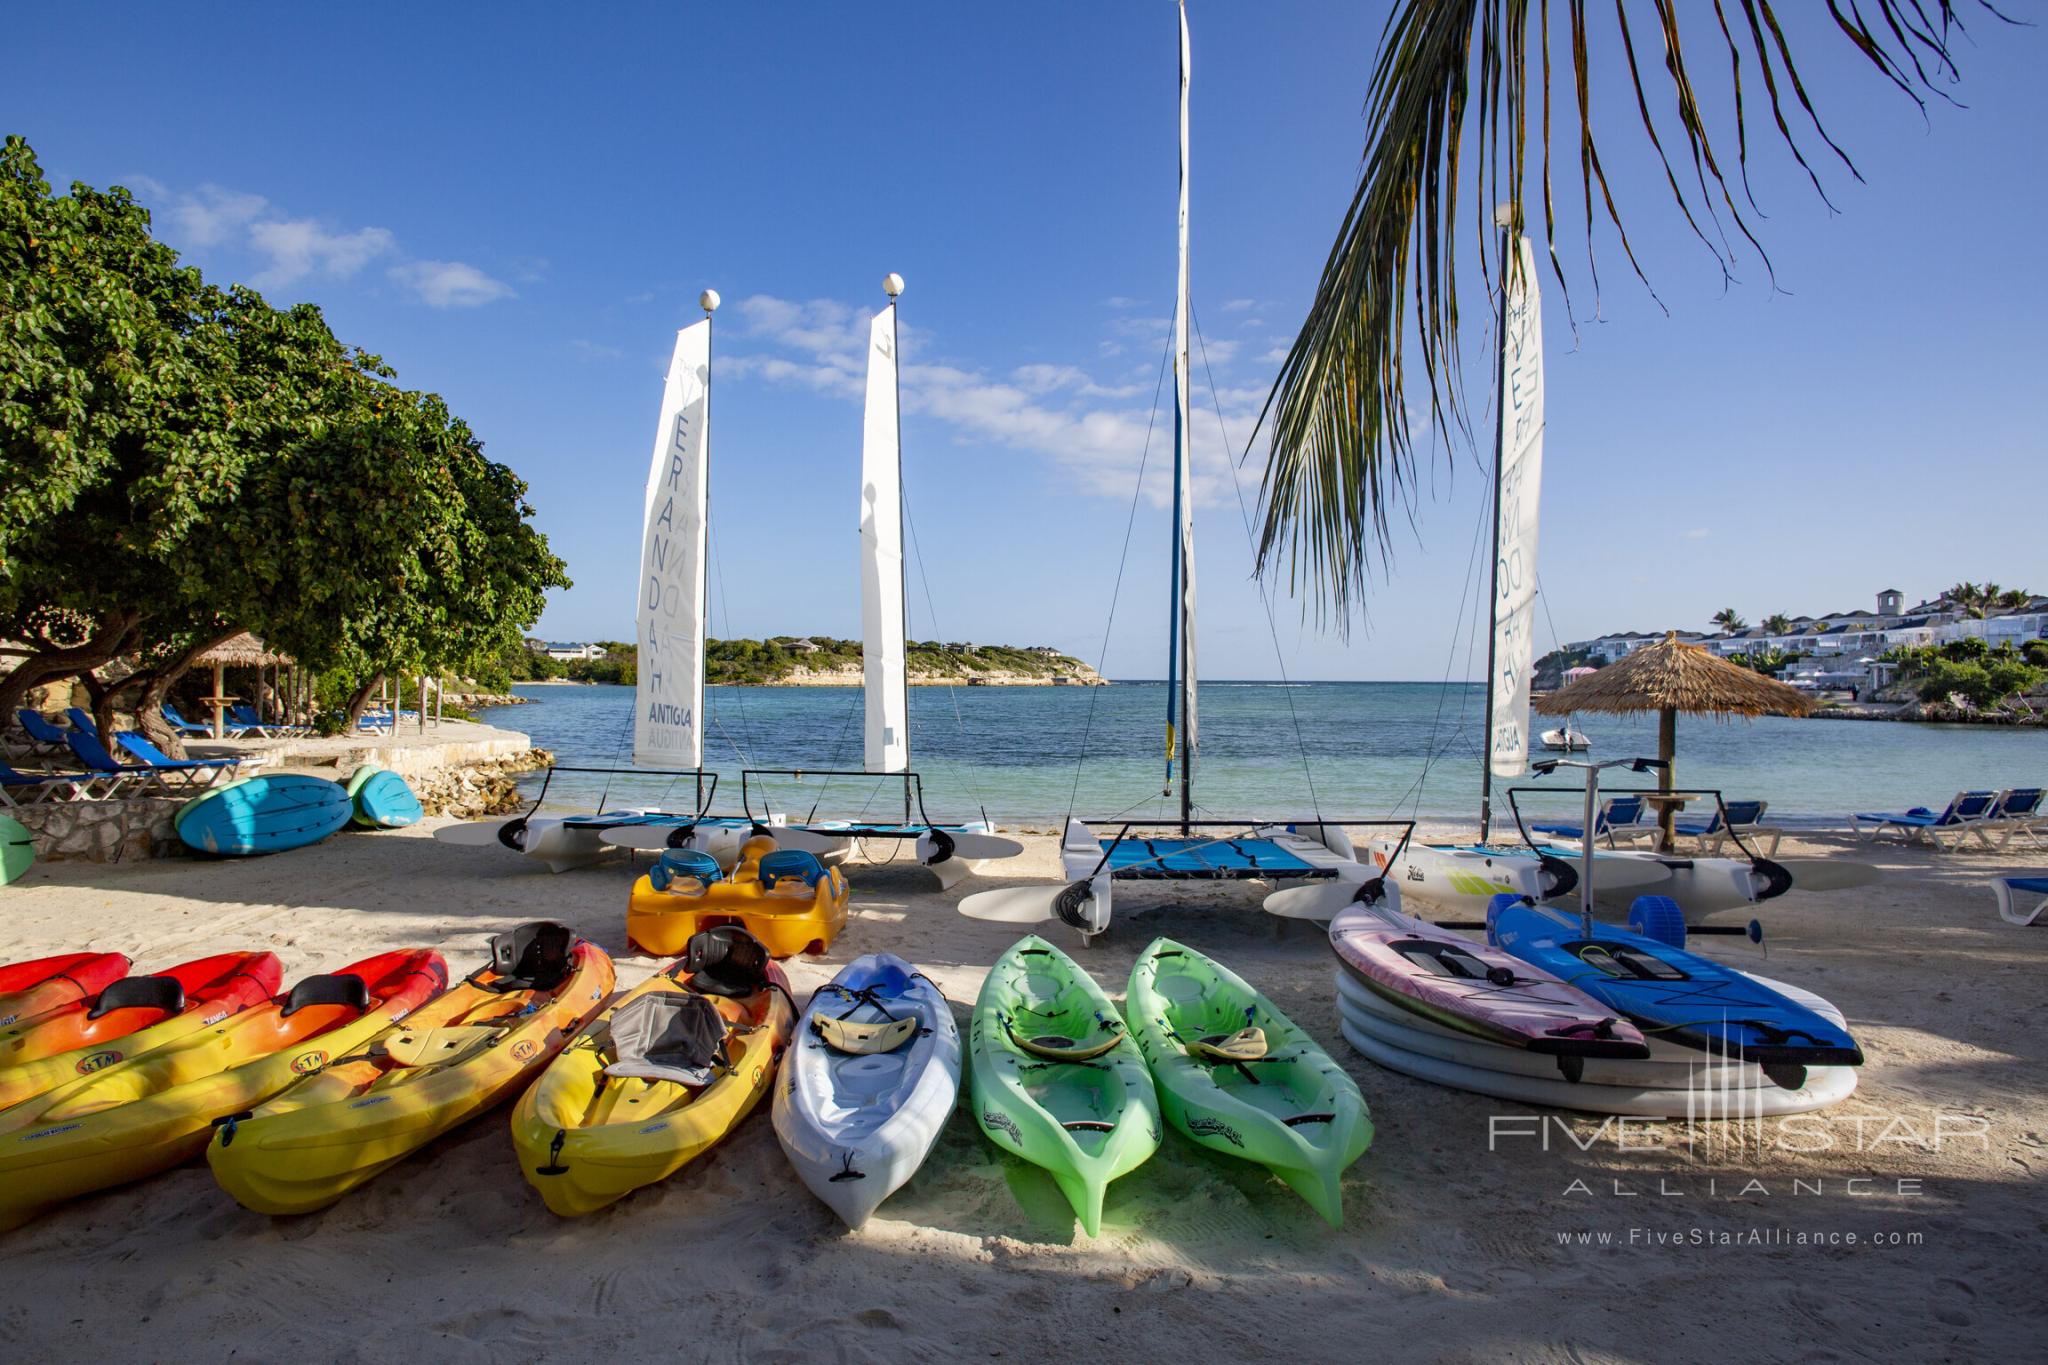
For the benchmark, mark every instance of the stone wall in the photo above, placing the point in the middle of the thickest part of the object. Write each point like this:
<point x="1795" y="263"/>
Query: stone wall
<point x="104" y="831"/>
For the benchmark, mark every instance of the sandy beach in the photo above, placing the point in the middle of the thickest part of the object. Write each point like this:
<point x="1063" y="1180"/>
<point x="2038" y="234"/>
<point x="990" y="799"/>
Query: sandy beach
<point x="1463" y="1238"/>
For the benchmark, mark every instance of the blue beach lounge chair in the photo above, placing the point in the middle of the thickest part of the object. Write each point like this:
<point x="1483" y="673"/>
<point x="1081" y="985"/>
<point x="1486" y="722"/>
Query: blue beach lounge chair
<point x="194" y="769"/>
<point x="31" y="789"/>
<point x="99" y="762"/>
<point x="1953" y="823"/>
<point x="1618" y="817"/>
<point x="185" y="727"/>
<point x="2016" y="891"/>
<point x="245" y="720"/>
<point x="81" y="720"/>
<point x="2016" y="814"/>
<point x="1745" y="820"/>
<point x="46" y="737"/>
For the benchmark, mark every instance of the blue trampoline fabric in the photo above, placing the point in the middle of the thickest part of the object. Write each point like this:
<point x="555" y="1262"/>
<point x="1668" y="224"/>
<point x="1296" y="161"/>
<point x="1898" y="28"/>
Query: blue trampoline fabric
<point x="1189" y="857"/>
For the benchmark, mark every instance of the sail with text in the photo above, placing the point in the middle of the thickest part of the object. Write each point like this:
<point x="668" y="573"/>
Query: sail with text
<point x="885" y="660"/>
<point x="1521" y="486"/>
<point x="667" y="723"/>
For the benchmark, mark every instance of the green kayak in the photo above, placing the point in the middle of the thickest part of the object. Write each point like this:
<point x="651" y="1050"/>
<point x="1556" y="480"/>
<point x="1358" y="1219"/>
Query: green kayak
<point x="1237" y="1075"/>
<point x="1055" y="1077"/>
<point x="17" y="849"/>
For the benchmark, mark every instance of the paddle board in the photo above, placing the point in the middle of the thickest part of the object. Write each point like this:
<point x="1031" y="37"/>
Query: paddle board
<point x="266" y="814"/>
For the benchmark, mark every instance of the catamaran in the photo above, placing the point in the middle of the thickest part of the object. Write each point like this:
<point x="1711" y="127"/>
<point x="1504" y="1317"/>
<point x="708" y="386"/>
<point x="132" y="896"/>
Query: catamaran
<point x="949" y="850"/>
<point x="1459" y="879"/>
<point x="668" y="701"/>
<point x="1312" y="860"/>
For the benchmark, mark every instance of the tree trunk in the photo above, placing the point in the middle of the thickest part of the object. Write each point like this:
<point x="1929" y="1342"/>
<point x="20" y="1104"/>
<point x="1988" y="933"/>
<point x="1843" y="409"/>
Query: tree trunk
<point x="357" y="700"/>
<point x="152" y="685"/>
<point x="114" y="633"/>
<point x="103" y="697"/>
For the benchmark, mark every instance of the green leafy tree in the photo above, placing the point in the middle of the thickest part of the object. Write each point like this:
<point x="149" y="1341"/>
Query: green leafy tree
<point x="1729" y="620"/>
<point x="1777" y="623"/>
<point x="1459" y="92"/>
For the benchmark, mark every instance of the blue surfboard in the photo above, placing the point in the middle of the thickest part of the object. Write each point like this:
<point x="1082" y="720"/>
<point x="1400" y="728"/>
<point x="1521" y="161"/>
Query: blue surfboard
<point x="382" y="799"/>
<point x="266" y="814"/>
<point x="1674" y="994"/>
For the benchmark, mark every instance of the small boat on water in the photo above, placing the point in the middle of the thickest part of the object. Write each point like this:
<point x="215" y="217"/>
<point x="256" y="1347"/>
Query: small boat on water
<point x="1567" y="738"/>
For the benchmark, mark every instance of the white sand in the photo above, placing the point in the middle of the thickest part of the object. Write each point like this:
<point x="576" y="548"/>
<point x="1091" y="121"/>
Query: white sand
<point x="1450" y="1250"/>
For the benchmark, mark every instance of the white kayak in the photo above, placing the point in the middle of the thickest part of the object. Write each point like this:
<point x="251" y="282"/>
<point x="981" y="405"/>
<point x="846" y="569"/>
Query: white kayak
<point x="868" y="1084"/>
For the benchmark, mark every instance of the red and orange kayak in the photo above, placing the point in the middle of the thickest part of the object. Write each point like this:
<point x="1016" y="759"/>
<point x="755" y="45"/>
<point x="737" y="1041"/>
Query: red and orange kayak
<point x="150" y="1112"/>
<point x="129" y="1017"/>
<point x="28" y="989"/>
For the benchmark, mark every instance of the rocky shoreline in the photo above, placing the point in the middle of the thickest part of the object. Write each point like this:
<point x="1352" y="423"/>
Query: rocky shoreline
<point x="479" y="789"/>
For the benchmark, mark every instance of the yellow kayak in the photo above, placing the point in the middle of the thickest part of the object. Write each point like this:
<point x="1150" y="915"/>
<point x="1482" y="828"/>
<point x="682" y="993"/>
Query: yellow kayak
<point x="458" y="1056"/>
<point x="658" y="1078"/>
<point x="151" y="1112"/>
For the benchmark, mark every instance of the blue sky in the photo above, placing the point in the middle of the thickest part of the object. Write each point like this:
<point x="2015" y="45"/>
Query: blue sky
<point x="516" y="205"/>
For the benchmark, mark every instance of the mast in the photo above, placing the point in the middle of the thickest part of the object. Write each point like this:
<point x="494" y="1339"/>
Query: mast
<point x="1180" y="665"/>
<point x="1502" y="215"/>
<point x="892" y="285"/>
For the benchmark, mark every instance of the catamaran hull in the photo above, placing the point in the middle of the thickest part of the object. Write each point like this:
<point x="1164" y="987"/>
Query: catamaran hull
<point x="1451" y="881"/>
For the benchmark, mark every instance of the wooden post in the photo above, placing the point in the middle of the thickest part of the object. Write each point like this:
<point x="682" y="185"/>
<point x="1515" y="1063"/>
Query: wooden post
<point x="220" y="690"/>
<point x="1667" y="745"/>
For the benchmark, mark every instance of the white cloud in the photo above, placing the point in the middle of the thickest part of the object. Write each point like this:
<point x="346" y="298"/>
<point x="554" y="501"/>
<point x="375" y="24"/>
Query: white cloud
<point x="449" y="284"/>
<point x="285" y="250"/>
<point x="591" y="350"/>
<point x="1696" y="533"/>
<point x="1119" y="301"/>
<point x="212" y="214"/>
<point x="1274" y="356"/>
<point x="1239" y="305"/>
<point x="295" y="248"/>
<point x="1095" y="433"/>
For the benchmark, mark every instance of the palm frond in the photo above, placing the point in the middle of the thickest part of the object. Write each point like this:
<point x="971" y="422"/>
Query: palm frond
<point x="1343" y="456"/>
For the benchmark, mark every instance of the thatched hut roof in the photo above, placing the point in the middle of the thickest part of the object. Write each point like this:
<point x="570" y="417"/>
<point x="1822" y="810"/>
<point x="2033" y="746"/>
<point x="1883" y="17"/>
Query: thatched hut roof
<point x="1673" y="675"/>
<point x="242" y="651"/>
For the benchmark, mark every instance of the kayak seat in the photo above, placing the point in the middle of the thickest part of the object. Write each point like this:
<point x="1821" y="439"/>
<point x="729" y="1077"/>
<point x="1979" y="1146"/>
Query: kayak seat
<point x="689" y="863"/>
<point x="1245" y="1045"/>
<point x="1059" y="1047"/>
<point x="860" y="1038"/>
<point x="668" y="1036"/>
<point x="140" y="992"/>
<point x="726" y="961"/>
<point x="790" y="864"/>
<point x="344" y="988"/>
<point x="533" y="957"/>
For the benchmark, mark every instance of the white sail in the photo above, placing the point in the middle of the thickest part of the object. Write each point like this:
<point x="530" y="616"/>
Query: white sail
<point x="1183" y="474"/>
<point x="669" y="706"/>
<point x="885" y="662"/>
<point x="1521" y="486"/>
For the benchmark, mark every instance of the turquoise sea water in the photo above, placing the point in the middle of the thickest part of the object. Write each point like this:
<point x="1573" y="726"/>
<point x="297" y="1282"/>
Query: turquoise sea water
<point x="1368" y="750"/>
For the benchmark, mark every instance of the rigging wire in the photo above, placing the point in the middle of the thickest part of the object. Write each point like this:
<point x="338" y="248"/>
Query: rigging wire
<point x="1123" y="558"/>
<point x="1265" y="602"/>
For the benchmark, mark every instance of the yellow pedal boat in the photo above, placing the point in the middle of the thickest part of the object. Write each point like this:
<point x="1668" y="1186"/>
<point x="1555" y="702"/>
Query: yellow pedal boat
<point x="456" y="1057"/>
<point x="657" y="1079"/>
<point x="785" y="897"/>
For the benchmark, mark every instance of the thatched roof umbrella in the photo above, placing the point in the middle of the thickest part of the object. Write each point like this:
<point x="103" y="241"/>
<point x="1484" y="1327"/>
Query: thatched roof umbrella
<point x="237" y="651"/>
<point x="1668" y="677"/>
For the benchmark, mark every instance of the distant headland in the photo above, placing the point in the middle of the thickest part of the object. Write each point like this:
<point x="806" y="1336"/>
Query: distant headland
<point x="818" y="661"/>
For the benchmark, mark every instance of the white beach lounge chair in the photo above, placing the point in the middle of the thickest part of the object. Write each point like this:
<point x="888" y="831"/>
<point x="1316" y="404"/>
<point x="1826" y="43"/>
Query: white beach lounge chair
<point x="2020" y="890"/>
<point x="2017" y="814"/>
<point x="1745" y="821"/>
<point x="1953" y="823"/>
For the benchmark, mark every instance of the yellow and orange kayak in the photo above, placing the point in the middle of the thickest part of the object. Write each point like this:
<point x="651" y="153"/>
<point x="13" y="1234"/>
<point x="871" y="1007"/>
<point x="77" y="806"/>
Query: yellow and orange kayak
<point x="456" y="1057"/>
